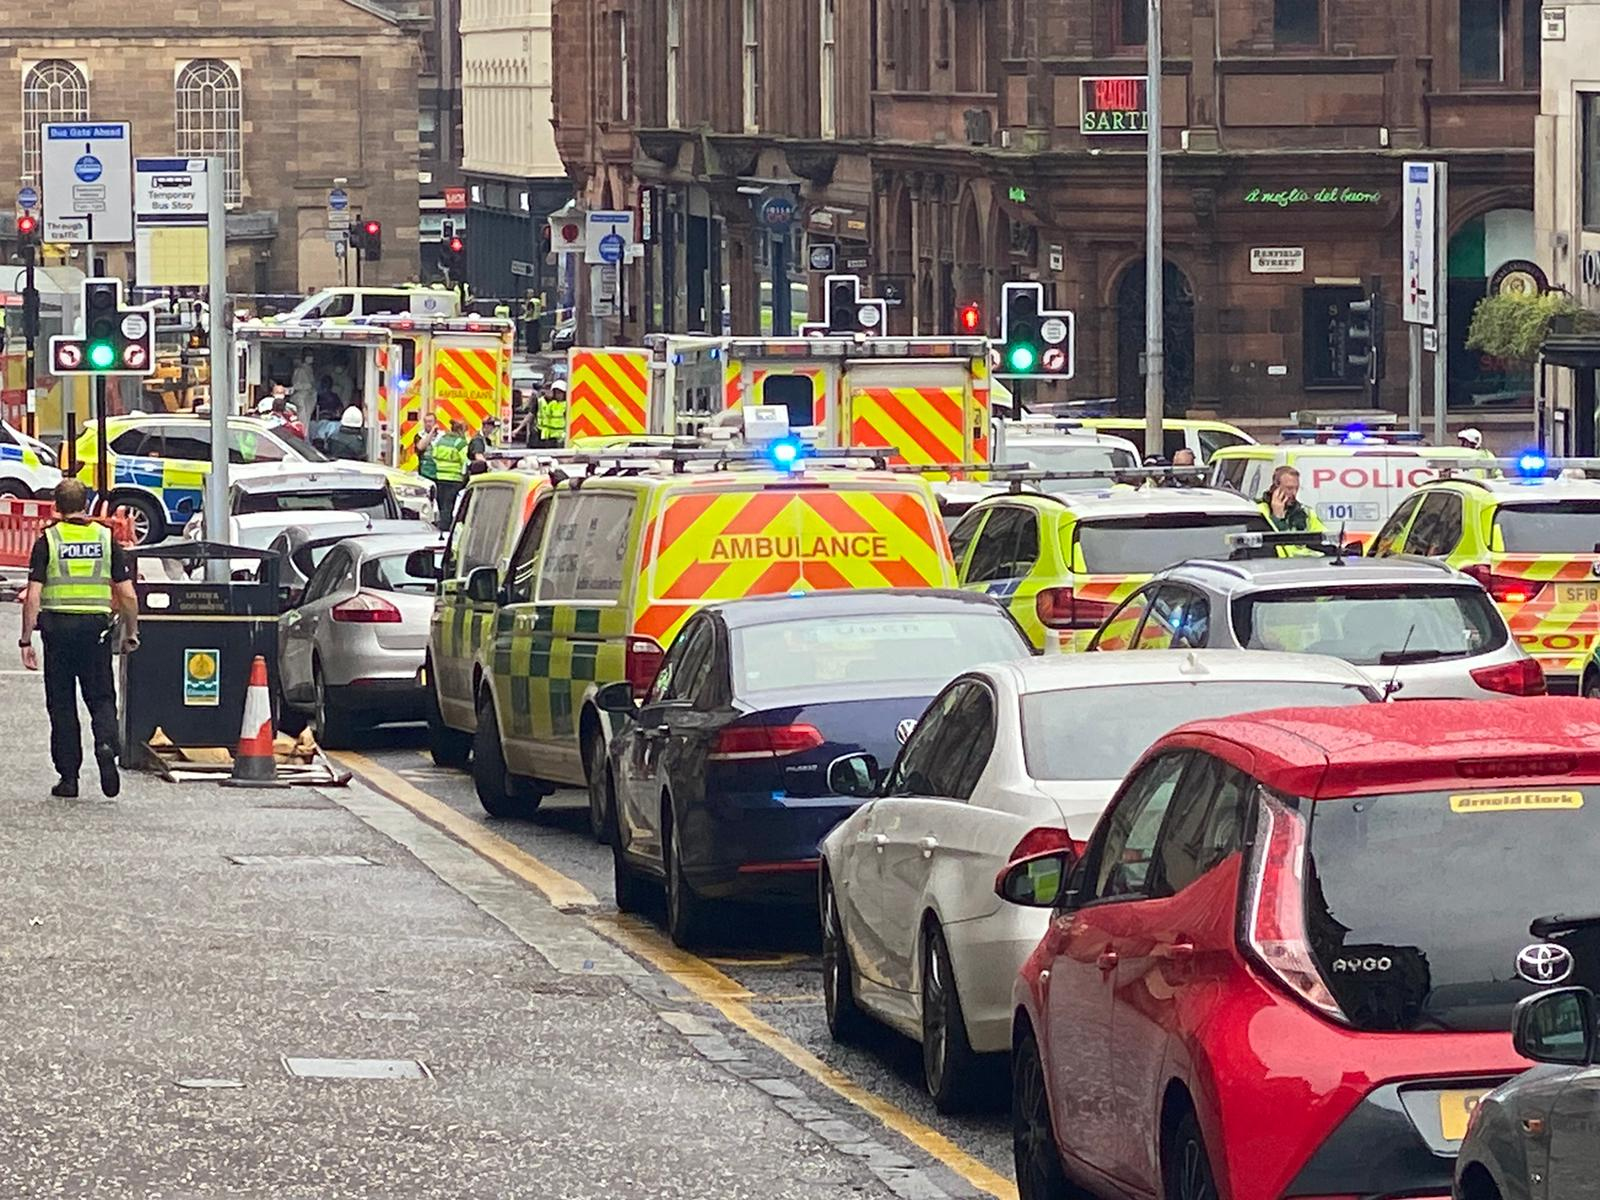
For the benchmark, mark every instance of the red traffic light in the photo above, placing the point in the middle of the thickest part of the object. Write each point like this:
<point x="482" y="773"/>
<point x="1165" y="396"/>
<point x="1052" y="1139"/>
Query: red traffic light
<point x="26" y="224"/>
<point x="372" y="228"/>
<point x="970" y="318"/>
<point x="457" y="245"/>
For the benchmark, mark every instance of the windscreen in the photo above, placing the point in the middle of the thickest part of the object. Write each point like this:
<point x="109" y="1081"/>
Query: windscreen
<point x="299" y="445"/>
<point x="388" y="573"/>
<point x="1566" y="527"/>
<point x="1406" y="944"/>
<point x="1147" y="544"/>
<point x="370" y="502"/>
<point x="1059" y="457"/>
<point x="1068" y="734"/>
<point x="1387" y="626"/>
<point x="923" y="651"/>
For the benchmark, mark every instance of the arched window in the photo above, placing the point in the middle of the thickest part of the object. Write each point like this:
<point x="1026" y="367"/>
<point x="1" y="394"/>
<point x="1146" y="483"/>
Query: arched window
<point x="52" y="90"/>
<point x="208" y="119"/>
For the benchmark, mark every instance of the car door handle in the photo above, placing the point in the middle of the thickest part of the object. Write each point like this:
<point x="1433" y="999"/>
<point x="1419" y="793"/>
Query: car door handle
<point x="880" y="840"/>
<point x="660" y="731"/>
<point x="1107" y="961"/>
<point x="1177" y="952"/>
<point x="929" y="845"/>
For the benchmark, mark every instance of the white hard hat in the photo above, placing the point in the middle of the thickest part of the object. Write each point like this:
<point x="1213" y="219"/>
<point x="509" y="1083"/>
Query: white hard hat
<point x="559" y="385"/>
<point x="1471" y="437"/>
<point x="350" y="418"/>
<point x="265" y="406"/>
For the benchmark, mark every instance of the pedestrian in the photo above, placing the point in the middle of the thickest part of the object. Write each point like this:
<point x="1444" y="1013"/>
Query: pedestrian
<point x="77" y="576"/>
<point x="532" y="311"/>
<point x="350" y="440"/>
<point x="450" y="463"/>
<point x="426" y="467"/>
<point x="1186" y="474"/>
<point x="304" y="382"/>
<point x="486" y="439"/>
<point x="553" y="415"/>
<point x="1280" y="504"/>
<point x="1472" y="439"/>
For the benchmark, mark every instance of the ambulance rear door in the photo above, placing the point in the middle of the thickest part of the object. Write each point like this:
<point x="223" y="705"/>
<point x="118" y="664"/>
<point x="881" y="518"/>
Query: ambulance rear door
<point x="805" y="387"/>
<point x="925" y="411"/>
<point x="608" y="392"/>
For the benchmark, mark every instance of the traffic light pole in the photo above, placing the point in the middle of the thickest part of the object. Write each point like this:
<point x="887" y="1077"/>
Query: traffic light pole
<point x="1441" y="310"/>
<point x="1155" y="367"/>
<point x="30" y="334"/>
<point x="102" y="487"/>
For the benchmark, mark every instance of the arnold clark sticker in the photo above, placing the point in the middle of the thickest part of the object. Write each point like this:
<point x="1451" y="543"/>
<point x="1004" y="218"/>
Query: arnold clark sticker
<point x="1525" y="801"/>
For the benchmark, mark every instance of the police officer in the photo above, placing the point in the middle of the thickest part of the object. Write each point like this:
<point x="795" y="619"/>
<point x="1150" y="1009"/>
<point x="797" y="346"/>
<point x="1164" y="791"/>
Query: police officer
<point x="450" y="467"/>
<point x="553" y="415"/>
<point x="76" y="576"/>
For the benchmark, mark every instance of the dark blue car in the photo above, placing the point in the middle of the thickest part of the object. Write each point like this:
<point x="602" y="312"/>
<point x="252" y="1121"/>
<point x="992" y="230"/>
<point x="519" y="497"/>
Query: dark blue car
<point x="718" y="781"/>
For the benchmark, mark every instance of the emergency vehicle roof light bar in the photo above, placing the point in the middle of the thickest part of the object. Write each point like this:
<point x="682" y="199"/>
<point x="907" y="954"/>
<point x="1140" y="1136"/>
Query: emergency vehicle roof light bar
<point x="1261" y="544"/>
<point x="1352" y="435"/>
<point x="680" y="456"/>
<point x="1028" y="471"/>
<point x="1531" y="464"/>
<point x="1344" y="418"/>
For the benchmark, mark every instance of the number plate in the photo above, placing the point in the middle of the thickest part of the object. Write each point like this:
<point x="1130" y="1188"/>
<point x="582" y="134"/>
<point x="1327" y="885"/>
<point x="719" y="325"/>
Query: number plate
<point x="1578" y="593"/>
<point x="1455" y="1108"/>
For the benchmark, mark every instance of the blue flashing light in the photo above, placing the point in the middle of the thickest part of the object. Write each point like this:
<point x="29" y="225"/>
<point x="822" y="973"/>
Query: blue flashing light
<point x="785" y="453"/>
<point x="1531" y="462"/>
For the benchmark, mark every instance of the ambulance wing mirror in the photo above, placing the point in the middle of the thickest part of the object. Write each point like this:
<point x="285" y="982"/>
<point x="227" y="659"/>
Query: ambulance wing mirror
<point x="616" y="698"/>
<point x="423" y="564"/>
<point x="483" y="585"/>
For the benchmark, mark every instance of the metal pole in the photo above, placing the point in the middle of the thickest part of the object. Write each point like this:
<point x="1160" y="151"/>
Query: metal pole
<point x="1414" y="381"/>
<point x="597" y="323"/>
<point x="216" y="493"/>
<point x="782" y="320"/>
<point x="30" y="334"/>
<point x="1441" y="306"/>
<point x="1155" y="400"/>
<point x="102" y="486"/>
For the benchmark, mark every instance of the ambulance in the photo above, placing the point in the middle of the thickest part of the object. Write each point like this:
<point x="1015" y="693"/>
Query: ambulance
<point x="609" y="566"/>
<point x="402" y="368"/>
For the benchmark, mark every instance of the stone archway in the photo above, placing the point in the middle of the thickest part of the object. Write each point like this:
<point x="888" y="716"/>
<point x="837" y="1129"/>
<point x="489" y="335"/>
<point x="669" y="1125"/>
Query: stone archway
<point x="970" y="264"/>
<point x="1178" y="319"/>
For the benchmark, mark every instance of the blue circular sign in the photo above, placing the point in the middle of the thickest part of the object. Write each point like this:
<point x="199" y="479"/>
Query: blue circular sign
<point x="87" y="168"/>
<point x="611" y="247"/>
<point x="28" y="197"/>
<point x="777" y="211"/>
<point x="338" y="199"/>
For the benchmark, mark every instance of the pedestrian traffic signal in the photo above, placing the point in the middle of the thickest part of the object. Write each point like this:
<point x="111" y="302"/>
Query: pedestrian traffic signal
<point x="847" y="311"/>
<point x="116" y="340"/>
<point x="969" y="319"/>
<point x="1034" y="340"/>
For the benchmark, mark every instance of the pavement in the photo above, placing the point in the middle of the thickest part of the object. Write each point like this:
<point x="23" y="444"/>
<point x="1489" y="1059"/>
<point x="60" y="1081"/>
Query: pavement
<point x="377" y="992"/>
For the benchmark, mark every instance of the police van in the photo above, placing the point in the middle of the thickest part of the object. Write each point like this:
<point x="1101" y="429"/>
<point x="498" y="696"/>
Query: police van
<point x="610" y="566"/>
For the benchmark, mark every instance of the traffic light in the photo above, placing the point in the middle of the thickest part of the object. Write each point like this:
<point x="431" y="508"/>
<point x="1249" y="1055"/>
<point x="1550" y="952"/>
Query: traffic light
<point x="1363" y="337"/>
<point x="116" y="340"/>
<point x="372" y="240"/>
<point x="846" y="310"/>
<point x="453" y="259"/>
<point x="1034" y="340"/>
<point x="27" y="228"/>
<point x="969" y="320"/>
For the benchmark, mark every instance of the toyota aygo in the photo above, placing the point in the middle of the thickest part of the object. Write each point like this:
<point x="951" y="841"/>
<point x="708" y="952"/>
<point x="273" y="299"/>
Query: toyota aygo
<point x="1285" y="963"/>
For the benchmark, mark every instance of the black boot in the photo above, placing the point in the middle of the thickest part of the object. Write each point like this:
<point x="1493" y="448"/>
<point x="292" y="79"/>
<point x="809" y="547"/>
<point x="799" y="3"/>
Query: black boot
<point x="110" y="781"/>
<point x="66" y="789"/>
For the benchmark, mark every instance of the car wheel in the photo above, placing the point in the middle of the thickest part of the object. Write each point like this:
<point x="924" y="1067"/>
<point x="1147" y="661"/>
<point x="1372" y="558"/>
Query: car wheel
<point x="949" y="1065"/>
<point x="686" y="912"/>
<point x="1033" y="1138"/>
<point x="633" y="891"/>
<point x="595" y="769"/>
<point x="846" y="1022"/>
<point x="449" y="747"/>
<point x="497" y="792"/>
<point x="149" y="522"/>
<point x="1186" y="1166"/>
<point x="331" y="725"/>
<point x="10" y="489"/>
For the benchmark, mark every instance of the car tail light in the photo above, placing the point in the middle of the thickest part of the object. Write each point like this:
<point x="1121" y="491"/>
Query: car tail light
<point x="1059" y="608"/>
<point x="1274" y="916"/>
<point x="1043" y="840"/>
<point x="739" y="743"/>
<point x="1504" y="589"/>
<point x="366" y="609"/>
<point x="641" y="660"/>
<point x="1524" y="677"/>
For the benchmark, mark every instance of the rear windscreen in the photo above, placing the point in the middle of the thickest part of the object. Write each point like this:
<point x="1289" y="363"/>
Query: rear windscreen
<point x="1567" y="527"/>
<point x="1072" y="458"/>
<point x="1147" y="544"/>
<point x="371" y="502"/>
<point x="925" y="649"/>
<point x="388" y="573"/>
<point x="1388" y="626"/>
<point x="1418" y="906"/>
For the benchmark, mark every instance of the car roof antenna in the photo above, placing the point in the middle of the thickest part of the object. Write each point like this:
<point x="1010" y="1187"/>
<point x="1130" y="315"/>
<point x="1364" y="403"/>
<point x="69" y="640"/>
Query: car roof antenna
<point x="1338" y="554"/>
<point x="1394" y="684"/>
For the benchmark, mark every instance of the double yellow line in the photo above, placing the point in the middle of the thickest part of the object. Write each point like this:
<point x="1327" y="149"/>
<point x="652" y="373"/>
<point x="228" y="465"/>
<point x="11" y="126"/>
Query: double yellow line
<point x="699" y="977"/>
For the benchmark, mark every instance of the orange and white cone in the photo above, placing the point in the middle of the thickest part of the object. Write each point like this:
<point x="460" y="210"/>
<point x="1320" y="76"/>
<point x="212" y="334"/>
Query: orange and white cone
<point x="255" y="765"/>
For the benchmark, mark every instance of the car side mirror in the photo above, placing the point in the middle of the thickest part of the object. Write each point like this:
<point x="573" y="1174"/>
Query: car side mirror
<point x="483" y="585"/>
<point x="1037" y="881"/>
<point x="423" y="564"/>
<point x="854" y="775"/>
<point x="1354" y="550"/>
<point x="1556" y="1026"/>
<point x="288" y="597"/>
<point x="617" y="698"/>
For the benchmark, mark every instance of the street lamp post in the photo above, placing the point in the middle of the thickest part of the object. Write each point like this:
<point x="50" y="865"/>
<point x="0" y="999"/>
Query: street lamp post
<point x="1154" y="336"/>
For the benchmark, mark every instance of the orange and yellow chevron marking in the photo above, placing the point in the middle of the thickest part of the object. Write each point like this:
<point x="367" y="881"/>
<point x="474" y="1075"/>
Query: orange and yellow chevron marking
<point x="922" y="425"/>
<point x="1559" y="621"/>
<point x="982" y="398"/>
<point x="608" y="393"/>
<point x="410" y="421"/>
<point x="732" y="383"/>
<point x="733" y="386"/>
<point x="465" y="383"/>
<point x="1109" y="590"/>
<point x="709" y="546"/>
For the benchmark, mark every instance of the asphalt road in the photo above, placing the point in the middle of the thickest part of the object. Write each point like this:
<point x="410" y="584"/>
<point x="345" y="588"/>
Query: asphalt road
<point x="168" y="958"/>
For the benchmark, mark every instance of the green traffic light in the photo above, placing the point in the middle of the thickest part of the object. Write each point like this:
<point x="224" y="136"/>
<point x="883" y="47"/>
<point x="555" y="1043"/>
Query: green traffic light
<point x="102" y="355"/>
<point x="1021" y="358"/>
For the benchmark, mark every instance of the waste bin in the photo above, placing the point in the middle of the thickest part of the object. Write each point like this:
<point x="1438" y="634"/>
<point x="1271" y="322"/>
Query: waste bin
<point x="197" y="641"/>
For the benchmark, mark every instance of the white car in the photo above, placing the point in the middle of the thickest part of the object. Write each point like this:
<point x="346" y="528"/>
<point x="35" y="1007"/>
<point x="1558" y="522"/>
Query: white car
<point x="1011" y="759"/>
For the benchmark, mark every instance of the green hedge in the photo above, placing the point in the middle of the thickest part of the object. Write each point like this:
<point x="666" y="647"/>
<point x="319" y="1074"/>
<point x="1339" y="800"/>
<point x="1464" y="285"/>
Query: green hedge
<point x="1515" y="326"/>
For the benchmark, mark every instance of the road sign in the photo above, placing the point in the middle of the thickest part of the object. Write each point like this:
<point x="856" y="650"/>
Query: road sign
<point x="88" y="182"/>
<point x="777" y="211"/>
<point x="1419" y="242"/>
<point x="169" y="222"/>
<point x="1053" y="330"/>
<point x="612" y="248"/>
<point x="822" y="255"/>
<point x="28" y="198"/>
<point x="525" y="269"/>
<point x="338" y="199"/>
<point x="607" y="233"/>
<point x="338" y="220"/>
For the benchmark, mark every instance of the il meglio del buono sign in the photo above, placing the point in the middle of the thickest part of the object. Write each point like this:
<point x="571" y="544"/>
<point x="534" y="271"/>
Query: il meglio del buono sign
<point x="1115" y="104"/>
<point x="1287" y="197"/>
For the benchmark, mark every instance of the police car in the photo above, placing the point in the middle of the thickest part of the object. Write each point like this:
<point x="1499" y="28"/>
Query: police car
<point x="27" y="467"/>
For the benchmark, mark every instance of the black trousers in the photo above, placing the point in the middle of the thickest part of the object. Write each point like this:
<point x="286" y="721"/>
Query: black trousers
<point x="77" y="654"/>
<point x="445" y="493"/>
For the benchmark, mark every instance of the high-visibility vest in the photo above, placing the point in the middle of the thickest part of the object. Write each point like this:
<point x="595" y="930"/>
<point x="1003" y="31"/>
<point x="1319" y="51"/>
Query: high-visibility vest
<point x="450" y="458"/>
<point x="78" y="578"/>
<point x="552" y="418"/>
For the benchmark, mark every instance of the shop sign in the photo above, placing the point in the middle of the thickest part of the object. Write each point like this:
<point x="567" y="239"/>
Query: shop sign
<point x="1277" y="260"/>
<point x="1118" y="104"/>
<point x="1287" y="197"/>
<point x="1518" y="277"/>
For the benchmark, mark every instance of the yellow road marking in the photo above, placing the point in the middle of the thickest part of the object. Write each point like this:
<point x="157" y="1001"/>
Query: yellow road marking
<point x="698" y="975"/>
<point x="758" y="960"/>
<point x="557" y="888"/>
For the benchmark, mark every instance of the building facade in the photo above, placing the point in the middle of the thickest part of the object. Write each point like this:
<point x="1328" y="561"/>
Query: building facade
<point x="292" y="97"/>
<point x="514" y="177"/>
<point x="942" y="147"/>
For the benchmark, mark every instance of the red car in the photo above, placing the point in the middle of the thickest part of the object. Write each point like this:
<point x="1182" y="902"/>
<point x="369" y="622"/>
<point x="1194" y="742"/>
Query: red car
<point x="1285" y="963"/>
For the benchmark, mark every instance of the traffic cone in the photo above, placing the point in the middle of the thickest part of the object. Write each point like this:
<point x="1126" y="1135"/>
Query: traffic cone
<point x="255" y="765"/>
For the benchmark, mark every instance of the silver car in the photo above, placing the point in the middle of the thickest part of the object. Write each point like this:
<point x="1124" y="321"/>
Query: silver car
<point x="1011" y="759"/>
<point x="350" y="652"/>
<point x="1416" y="627"/>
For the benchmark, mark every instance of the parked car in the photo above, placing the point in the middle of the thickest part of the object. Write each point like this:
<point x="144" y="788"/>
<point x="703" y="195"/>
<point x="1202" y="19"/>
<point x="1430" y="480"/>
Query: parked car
<point x="719" y="783"/>
<point x="1286" y="962"/>
<point x="1010" y="759"/>
<point x="1533" y="1138"/>
<point x="349" y="654"/>
<point x="300" y="547"/>
<point x="1417" y="628"/>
